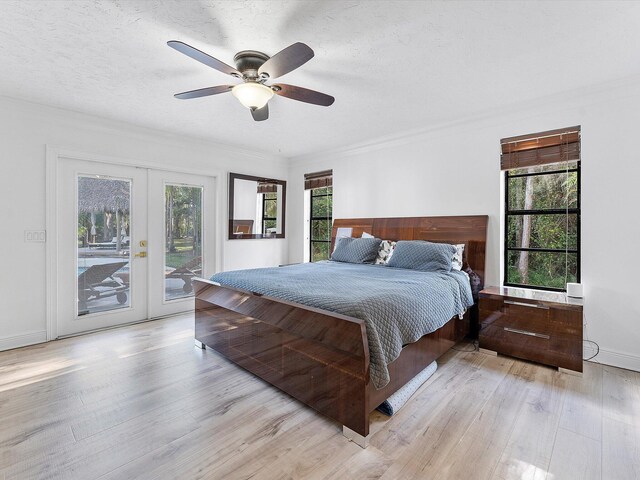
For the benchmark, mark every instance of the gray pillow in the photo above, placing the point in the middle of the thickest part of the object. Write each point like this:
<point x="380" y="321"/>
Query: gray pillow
<point x="356" y="250"/>
<point x="420" y="255"/>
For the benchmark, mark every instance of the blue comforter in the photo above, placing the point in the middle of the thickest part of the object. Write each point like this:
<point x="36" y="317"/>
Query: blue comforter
<point x="398" y="306"/>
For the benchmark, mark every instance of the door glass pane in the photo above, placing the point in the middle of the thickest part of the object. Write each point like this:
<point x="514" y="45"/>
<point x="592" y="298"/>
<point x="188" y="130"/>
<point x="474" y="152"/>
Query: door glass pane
<point x="103" y="244"/>
<point x="183" y="239"/>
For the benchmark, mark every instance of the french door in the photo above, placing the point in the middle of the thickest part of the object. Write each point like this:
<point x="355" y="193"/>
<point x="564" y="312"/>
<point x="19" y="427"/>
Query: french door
<point x="181" y="238"/>
<point x="129" y="242"/>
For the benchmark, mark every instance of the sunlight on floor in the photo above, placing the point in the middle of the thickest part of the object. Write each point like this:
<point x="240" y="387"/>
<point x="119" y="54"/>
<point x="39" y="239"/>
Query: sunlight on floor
<point x="176" y="339"/>
<point x="522" y="470"/>
<point x="33" y="372"/>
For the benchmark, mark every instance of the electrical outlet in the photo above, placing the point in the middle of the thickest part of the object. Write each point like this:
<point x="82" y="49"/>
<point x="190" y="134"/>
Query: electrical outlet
<point x="35" y="236"/>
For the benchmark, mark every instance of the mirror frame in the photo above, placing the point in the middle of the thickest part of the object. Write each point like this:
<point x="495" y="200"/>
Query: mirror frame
<point x="248" y="236"/>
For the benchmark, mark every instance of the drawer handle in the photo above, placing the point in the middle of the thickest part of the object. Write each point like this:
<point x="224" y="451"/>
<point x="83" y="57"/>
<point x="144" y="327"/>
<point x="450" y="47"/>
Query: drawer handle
<point x="523" y="304"/>
<point x="524" y="332"/>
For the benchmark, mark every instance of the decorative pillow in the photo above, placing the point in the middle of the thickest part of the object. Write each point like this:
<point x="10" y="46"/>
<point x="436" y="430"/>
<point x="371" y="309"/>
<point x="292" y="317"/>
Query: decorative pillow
<point x="366" y="235"/>
<point x="475" y="281"/>
<point x="420" y="255"/>
<point x="456" y="261"/>
<point x="385" y="251"/>
<point x="356" y="250"/>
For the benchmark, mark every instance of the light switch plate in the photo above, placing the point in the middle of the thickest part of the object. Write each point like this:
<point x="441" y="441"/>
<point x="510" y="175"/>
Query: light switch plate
<point x="35" y="236"/>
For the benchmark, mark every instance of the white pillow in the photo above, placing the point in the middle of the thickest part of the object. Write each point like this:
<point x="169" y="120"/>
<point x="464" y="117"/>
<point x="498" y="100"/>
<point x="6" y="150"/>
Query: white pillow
<point x="456" y="261"/>
<point x="367" y="235"/>
<point x="385" y="250"/>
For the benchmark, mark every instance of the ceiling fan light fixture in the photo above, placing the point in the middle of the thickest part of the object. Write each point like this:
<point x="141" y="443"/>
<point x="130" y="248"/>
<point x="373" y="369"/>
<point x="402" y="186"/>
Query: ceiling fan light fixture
<point x="252" y="95"/>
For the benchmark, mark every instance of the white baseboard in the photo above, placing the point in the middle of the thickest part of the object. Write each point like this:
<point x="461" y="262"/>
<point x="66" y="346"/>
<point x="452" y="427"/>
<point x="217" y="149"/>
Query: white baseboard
<point x="22" y="340"/>
<point x="615" y="359"/>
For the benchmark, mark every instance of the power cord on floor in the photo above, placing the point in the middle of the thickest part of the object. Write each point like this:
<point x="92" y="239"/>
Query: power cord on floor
<point x="475" y="346"/>
<point x="586" y="340"/>
<point x="595" y="354"/>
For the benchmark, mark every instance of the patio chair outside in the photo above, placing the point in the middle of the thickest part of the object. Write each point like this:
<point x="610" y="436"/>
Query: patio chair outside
<point x="98" y="281"/>
<point x="186" y="272"/>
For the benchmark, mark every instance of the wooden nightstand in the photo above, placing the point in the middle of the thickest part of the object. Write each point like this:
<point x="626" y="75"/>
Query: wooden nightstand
<point x="544" y="327"/>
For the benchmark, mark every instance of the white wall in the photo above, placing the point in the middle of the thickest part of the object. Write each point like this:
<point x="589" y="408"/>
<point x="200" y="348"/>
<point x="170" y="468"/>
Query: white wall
<point x="454" y="170"/>
<point x="245" y="203"/>
<point x="26" y="129"/>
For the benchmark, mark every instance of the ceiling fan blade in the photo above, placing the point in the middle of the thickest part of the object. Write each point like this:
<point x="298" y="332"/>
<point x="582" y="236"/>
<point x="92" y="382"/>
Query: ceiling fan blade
<point x="260" y="114"/>
<point x="202" y="57"/>
<point x="204" y="92"/>
<point x="303" y="94"/>
<point x="287" y="60"/>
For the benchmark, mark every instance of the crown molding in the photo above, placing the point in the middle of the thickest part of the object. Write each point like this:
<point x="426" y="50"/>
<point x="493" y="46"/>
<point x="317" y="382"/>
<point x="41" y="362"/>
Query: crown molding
<point x="559" y="101"/>
<point x="106" y="125"/>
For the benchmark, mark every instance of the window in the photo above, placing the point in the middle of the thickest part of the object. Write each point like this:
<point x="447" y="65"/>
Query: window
<point x="542" y="209"/>
<point x="321" y="221"/>
<point x="320" y="186"/>
<point x="269" y="212"/>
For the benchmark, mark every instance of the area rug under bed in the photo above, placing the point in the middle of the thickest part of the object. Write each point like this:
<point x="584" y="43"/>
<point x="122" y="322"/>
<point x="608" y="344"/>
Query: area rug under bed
<point x="396" y="401"/>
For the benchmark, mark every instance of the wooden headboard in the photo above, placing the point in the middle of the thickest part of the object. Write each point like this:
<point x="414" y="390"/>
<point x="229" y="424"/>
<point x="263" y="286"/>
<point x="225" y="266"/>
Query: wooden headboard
<point x="470" y="230"/>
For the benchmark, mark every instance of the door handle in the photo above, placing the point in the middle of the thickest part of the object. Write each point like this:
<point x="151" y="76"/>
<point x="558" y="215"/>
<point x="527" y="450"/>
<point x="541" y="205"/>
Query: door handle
<point x="141" y="254"/>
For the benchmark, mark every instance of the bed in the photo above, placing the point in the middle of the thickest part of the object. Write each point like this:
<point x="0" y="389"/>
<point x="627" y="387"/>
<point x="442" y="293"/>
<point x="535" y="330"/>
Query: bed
<point x="319" y="356"/>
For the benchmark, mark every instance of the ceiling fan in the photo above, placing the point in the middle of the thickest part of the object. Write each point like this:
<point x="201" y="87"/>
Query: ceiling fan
<point x="255" y="68"/>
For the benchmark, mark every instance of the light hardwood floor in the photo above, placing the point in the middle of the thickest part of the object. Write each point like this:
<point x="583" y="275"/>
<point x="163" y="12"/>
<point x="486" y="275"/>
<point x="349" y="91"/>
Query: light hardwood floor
<point x="142" y="402"/>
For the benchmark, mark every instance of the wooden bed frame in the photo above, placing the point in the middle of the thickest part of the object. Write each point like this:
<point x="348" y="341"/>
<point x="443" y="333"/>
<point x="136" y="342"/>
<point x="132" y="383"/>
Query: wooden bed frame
<point x="322" y="358"/>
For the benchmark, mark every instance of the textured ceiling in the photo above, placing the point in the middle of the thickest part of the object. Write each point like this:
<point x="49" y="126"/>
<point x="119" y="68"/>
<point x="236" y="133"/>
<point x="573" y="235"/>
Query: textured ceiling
<point x="392" y="66"/>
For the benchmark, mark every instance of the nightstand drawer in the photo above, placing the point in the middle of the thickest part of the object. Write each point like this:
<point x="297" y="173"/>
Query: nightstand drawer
<point x="512" y="341"/>
<point x="558" y="350"/>
<point x="527" y="317"/>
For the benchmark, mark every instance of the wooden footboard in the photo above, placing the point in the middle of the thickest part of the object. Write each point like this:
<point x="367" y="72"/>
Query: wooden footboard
<point x="319" y="357"/>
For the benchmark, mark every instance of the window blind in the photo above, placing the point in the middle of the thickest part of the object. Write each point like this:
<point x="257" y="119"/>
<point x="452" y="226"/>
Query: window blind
<point x="540" y="148"/>
<point x="266" y="187"/>
<point x="318" y="179"/>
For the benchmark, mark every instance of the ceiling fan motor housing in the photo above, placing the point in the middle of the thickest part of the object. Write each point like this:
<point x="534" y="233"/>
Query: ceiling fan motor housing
<point x="248" y="62"/>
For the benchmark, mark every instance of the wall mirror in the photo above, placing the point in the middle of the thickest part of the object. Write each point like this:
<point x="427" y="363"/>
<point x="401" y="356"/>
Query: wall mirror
<point x="256" y="207"/>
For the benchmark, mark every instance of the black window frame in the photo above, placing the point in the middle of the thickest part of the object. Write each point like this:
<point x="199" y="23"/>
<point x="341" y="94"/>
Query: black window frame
<point x="264" y="211"/>
<point x="312" y="218"/>
<point x="556" y="211"/>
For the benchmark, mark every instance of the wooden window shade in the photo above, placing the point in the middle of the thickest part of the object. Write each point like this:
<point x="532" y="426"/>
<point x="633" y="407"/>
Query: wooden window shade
<point x="318" y="179"/>
<point x="266" y="187"/>
<point x="541" y="148"/>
